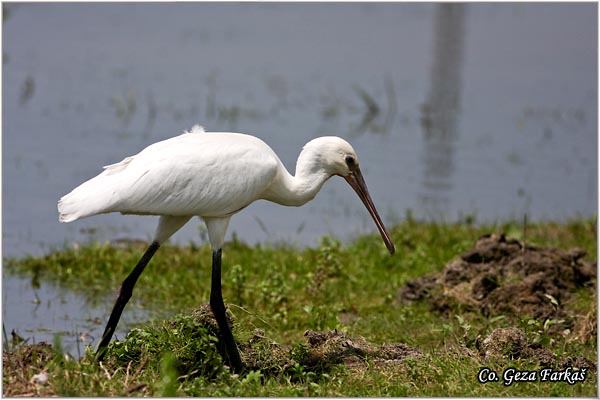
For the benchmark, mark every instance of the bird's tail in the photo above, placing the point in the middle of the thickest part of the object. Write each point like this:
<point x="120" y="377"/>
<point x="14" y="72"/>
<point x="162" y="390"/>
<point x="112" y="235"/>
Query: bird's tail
<point x="96" y="196"/>
<point x="90" y="198"/>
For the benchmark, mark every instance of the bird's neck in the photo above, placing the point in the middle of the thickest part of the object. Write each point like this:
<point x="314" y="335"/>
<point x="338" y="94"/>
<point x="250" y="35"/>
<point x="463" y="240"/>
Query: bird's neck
<point x="304" y="185"/>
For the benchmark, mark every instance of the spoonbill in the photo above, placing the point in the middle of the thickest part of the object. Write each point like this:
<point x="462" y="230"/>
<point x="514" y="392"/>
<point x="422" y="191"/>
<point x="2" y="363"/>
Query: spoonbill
<point x="212" y="176"/>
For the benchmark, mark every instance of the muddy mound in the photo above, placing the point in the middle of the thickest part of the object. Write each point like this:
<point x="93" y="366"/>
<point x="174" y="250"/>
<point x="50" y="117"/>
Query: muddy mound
<point x="502" y="275"/>
<point x="511" y="343"/>
<point x="338" y="348"/>
<point x="321" y="350"/>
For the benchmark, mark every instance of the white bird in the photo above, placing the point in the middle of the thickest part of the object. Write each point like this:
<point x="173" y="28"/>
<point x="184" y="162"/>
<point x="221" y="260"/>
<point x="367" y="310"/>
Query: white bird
<point x="212" y="176"/>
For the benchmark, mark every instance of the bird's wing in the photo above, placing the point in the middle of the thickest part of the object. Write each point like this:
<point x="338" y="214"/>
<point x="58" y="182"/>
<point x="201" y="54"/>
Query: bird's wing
<point x="213" y="174"/>
<point x="117" y="167"/>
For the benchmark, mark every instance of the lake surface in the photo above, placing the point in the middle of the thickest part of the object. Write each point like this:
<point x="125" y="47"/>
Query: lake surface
<point x="40" y="313"/>
<point x="485" y="110"/>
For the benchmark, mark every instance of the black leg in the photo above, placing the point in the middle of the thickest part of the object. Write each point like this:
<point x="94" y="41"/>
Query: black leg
<point x="232" y="355"/>
<point x="124" y="296"/>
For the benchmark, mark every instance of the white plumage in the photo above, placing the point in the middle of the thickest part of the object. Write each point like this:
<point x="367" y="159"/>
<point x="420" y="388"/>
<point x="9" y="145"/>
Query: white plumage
<point x="191" y="174"/>
<point x="210" y="175"/>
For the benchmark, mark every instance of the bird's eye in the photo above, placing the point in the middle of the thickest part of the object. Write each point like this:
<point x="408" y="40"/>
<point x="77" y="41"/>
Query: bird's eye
<point x="350" y="162"/>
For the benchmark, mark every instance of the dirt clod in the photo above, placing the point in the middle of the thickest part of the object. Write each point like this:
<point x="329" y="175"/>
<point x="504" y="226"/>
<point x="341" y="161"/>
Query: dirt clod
<point x="578" y="362"/>
<point x="321" y="351"/>
<point x="511" y="343"/>
<point x="505" y="276"/>
<point x="504" y="342"/>
<point x="338" y="348"/>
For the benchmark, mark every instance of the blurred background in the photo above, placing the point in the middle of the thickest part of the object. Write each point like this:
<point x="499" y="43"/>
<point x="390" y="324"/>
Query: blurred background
<point x="458" y="112"/>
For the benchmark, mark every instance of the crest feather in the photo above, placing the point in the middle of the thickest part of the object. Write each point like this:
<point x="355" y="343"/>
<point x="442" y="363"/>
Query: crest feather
<point x="196" y="129"/>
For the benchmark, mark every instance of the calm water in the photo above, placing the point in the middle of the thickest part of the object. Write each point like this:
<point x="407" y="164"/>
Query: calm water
<point x="40" y="313"/>
<point x="479" y="109"/>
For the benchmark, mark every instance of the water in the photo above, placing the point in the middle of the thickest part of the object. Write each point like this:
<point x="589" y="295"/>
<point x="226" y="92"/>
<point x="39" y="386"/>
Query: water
<point x="40" y="313"/>
<point x="474" y="109"/>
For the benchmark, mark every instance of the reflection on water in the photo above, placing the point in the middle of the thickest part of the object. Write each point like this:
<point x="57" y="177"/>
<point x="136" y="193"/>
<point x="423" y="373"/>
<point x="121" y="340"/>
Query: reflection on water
<point x="376" y="119"/>
<point x="27" y="90"/>
<point x="441" y="111"/>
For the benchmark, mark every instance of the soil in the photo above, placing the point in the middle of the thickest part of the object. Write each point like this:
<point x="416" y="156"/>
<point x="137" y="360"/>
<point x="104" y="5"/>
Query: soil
<point x="505" y="276"/>
<point x="20" y="362"/>
<point x="338" y="348"/>
<point x="321" y="350"/>
<point x="511" y="343"/>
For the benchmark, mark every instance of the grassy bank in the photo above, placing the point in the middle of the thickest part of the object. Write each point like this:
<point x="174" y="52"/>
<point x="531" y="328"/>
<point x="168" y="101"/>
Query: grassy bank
<point x="276" y="294"/>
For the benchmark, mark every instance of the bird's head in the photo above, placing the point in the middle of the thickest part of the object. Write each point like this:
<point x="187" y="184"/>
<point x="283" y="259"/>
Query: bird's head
<point x="332" y="154"/>
<point x="337" y="157"/>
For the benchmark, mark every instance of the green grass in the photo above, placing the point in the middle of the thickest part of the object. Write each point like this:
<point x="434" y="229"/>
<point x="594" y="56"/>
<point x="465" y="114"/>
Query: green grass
<point x="285" y="291"/>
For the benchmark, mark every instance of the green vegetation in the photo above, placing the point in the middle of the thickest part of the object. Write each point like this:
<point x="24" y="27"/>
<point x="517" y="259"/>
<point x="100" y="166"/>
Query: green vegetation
<point x="276" y="293"/>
